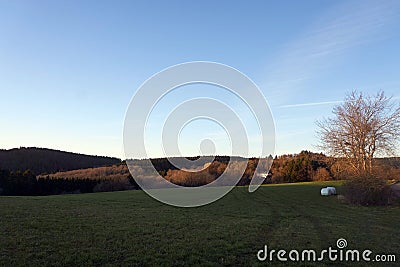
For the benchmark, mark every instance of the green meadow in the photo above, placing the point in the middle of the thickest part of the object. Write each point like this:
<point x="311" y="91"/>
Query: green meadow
<point x="130" y="228"/>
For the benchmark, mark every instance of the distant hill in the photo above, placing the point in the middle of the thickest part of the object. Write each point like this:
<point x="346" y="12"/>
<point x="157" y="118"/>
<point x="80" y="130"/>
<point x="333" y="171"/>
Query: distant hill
<point x="43" y="160"/>
<point x="119" y="171"/>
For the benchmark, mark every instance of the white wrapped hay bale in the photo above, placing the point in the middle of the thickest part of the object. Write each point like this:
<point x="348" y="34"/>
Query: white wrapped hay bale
<point x="324" y="192"/>
<point x="328" y="191"/>
<point x="332" y="190"/>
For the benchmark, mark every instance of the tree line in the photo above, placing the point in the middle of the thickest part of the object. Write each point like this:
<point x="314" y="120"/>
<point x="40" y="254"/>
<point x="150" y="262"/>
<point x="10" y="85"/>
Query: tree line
<point x="291" y="168"/>
<point x="28" y="184"/>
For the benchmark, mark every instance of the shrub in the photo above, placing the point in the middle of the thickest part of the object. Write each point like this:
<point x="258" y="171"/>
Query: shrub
<point x="368" y="190"/>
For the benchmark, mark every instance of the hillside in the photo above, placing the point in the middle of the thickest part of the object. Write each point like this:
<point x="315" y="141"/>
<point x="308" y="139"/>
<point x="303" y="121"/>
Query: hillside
<point x="112" y="172"/>
<point x="303" y="167"/>
<point x="43" y="160"/>
<point x="132" y="229"/>
<point x="120" y="170"/>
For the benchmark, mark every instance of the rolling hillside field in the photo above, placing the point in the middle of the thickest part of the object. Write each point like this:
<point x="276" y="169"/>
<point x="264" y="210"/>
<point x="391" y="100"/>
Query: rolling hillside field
<point x="130" y="228"/>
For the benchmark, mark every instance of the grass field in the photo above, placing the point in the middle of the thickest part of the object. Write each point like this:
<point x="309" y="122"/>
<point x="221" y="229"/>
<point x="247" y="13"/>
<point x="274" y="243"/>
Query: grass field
<point x="130" y="228"/>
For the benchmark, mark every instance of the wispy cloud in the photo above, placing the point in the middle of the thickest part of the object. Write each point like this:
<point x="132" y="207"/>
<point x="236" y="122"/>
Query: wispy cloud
<point x="325" y="43"/>
<point x="311" y="104"/>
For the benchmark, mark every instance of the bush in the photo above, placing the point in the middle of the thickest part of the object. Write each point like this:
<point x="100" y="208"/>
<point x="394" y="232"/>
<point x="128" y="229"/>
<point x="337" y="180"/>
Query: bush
<point x="368" y="190"/>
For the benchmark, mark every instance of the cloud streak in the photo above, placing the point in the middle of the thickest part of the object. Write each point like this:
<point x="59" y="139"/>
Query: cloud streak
<point x="311" y="104"/>
<point x="325" y="43"/>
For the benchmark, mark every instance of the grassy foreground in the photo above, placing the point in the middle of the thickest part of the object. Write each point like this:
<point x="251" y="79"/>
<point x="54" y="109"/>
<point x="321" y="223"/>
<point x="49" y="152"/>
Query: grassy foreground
<point x="130" y="228"/>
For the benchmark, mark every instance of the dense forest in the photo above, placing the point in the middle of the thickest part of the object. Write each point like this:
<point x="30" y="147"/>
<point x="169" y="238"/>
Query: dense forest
<point x="42" y="160"/>
<point x="27" y="184"/>
<point x="302" y="167"/>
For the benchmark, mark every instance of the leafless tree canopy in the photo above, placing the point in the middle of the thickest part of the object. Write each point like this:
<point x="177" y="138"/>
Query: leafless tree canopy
<point x="361" y="128"/>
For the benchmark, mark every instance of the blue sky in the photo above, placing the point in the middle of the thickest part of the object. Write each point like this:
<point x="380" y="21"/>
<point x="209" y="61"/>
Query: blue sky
<point x="68" y="69"/>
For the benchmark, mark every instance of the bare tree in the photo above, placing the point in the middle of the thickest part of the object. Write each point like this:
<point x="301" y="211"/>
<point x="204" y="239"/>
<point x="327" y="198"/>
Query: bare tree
<point x="362" y="127"/>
